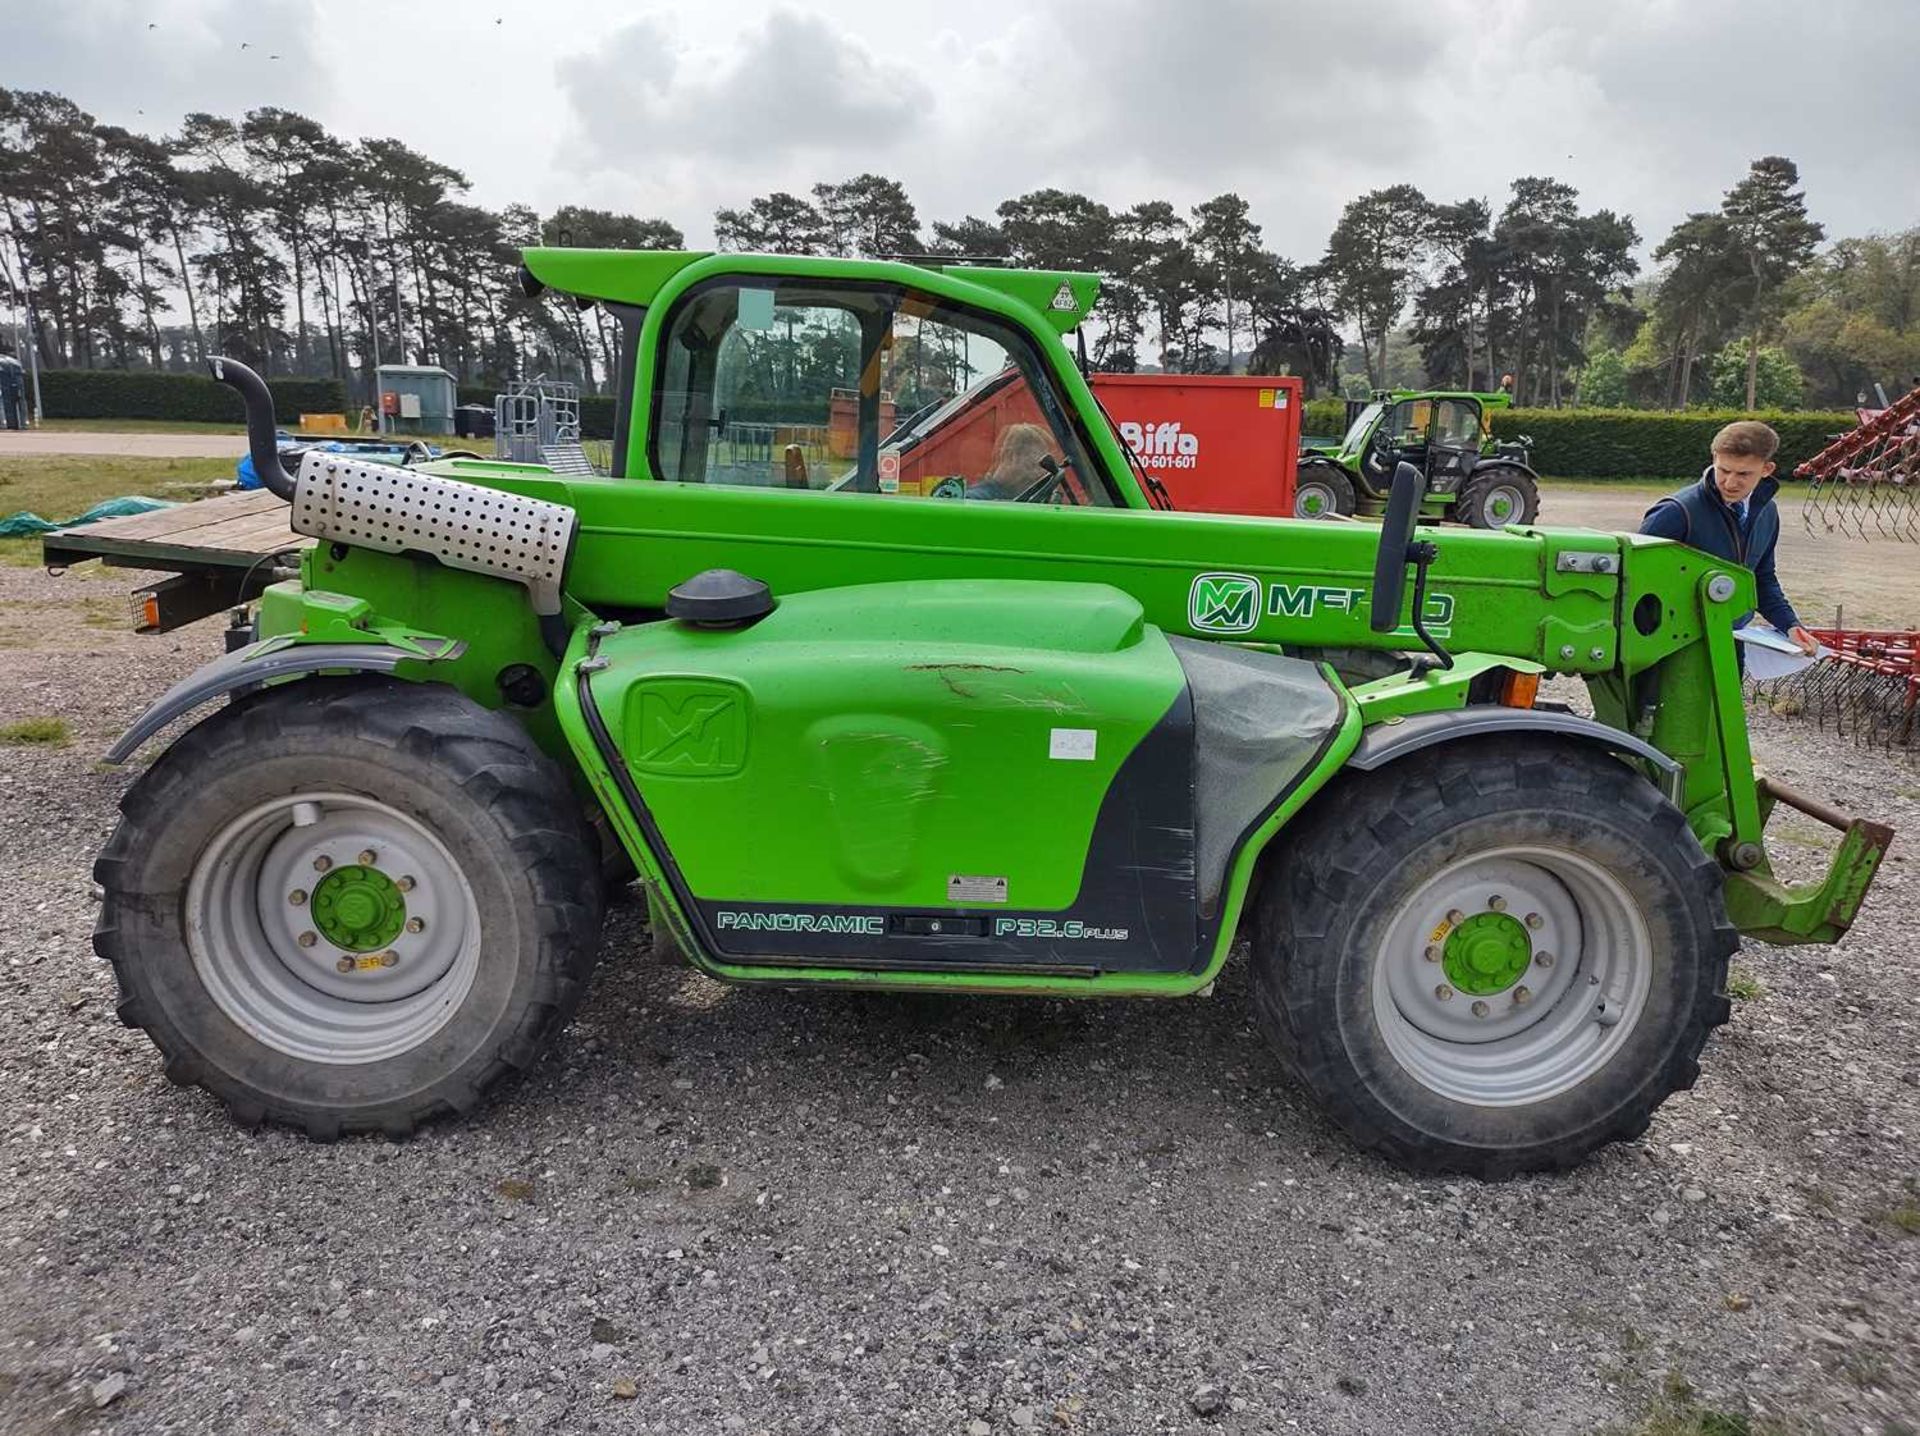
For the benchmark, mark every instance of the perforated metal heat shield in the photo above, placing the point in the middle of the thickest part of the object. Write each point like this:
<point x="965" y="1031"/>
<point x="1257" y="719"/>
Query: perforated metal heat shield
<point x="466" y="526"/>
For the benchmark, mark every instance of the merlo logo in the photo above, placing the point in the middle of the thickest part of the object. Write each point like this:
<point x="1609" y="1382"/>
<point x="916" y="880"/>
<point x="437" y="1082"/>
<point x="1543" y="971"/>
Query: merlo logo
<point x="688" y="726"/>
<point x="1223" y="603"/>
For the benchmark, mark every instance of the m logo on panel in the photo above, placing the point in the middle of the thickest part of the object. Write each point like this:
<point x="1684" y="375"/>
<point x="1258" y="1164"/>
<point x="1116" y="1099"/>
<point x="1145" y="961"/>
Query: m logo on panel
<point x="1223" y="603"/>
<point x="686" y="727"/>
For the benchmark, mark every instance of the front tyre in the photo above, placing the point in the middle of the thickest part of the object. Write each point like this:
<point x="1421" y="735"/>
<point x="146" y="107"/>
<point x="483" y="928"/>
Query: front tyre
<point x="1492" y="958"/>
<point x="350" y="905"/>
<point x="1321" y="490"/>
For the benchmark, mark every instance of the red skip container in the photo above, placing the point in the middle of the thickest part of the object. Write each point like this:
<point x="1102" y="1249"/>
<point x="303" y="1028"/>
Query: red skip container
<point x="1227" y="444"/>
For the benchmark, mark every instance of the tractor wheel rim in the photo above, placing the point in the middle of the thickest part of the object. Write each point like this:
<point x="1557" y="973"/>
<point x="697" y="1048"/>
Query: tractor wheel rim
<point x="1512" y="975"/>
<point x="332" y="927"/>
<point x="1312" y="501"/>
<point x="1504" y="504"/>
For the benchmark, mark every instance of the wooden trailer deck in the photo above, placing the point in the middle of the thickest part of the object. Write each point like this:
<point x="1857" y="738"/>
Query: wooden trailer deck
<point x="217" y="549"/>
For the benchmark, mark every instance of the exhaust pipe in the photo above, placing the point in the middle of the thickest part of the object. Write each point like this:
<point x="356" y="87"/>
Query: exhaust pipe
<point x="262" y="443"/>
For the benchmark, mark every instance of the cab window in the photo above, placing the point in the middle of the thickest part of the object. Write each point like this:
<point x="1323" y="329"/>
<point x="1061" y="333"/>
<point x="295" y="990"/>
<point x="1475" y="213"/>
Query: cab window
<point x="1456" y="423"/>
<point x="860" y="389"/>
<point x="1407" y="423"/>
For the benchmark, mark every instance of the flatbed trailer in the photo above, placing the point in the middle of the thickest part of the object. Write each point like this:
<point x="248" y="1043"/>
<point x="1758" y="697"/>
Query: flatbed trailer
<point x="220" y="552"/>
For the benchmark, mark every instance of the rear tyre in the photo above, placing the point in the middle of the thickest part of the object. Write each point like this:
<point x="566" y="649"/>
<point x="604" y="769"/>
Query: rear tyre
<point x="1492" y="958"/>
<point x="1496" y="495"/>
<point x="1322" y="489"/>
<point x="350" y="905"/>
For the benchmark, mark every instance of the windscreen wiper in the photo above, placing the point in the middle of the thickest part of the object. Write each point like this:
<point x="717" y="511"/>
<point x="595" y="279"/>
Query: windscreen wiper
<point x="1156" y="490"/>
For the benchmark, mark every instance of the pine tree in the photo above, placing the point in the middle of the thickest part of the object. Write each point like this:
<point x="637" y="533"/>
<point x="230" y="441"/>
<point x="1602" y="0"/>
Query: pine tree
<point x="1768" y="228"/>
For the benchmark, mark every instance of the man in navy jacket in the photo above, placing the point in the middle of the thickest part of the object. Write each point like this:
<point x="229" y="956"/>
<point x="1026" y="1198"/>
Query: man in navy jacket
<point x="1730" y="514"/>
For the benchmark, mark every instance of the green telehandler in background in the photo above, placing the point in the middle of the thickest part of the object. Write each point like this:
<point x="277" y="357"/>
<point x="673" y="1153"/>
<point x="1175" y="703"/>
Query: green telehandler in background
<point x="1472" y="478"/>
<point x="1019" y="732"/>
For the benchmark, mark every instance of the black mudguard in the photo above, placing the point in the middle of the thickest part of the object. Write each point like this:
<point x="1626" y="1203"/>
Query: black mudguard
<point x="1386" y="742"/>
<point x="264" y="662"/>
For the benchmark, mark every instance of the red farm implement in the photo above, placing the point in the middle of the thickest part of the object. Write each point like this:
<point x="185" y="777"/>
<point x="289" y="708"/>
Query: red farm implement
<point x="1867" y="688"/>
<point x="1864" y="485"/>
<point x="1867" y="482"/>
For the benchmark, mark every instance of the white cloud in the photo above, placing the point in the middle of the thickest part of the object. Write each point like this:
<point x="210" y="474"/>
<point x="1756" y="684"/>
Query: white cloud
<point x="790" y="88"/>
<point x="1649" y="107"/>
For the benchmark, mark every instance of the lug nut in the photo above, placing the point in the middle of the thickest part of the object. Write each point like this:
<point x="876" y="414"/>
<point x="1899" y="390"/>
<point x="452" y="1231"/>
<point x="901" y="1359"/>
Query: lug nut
<point x="1545" y="959"/>
<point x="1455" y="917"/>
<point x="389" y="958"/>
<point x="419" y="924"/>
<point x="322" y="863"/>
<point x="1432" y="953"/>
<point x="1480" y="1009"/>
<point x="345" y="964"/>
<point x="405" y="884"/>
<point x="1497" y="903"/>
<point x="1443" y="992"/>
<point x="1522" y="996"/>
<point x="1535" y="920"/>
<point x="368" y="857"/>
<point x="308" y="939"/>
<point x="297" y="897"/>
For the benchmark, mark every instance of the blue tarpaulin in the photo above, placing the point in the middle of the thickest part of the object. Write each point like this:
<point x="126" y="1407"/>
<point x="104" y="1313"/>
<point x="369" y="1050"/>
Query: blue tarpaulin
<point x="395" y="454"/>
<point x="24" y="525"/>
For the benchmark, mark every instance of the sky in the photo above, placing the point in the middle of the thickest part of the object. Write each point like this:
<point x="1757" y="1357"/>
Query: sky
<point x="1648" y="107"/>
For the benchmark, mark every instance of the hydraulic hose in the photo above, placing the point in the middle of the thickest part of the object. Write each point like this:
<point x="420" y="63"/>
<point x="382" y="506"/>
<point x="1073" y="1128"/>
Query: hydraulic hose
<point x="262" y="442"/>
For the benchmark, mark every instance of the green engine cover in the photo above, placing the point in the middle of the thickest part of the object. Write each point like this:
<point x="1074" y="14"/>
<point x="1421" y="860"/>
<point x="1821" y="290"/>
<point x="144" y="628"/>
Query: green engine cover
<point x="906" y="773"/>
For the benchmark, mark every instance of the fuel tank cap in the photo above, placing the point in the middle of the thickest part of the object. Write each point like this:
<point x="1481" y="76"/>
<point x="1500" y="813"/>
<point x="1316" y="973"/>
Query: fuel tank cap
<point x="719" y="598"/>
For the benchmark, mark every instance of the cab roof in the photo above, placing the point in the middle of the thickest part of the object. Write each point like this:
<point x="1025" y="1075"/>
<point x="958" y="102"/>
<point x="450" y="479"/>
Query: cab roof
<point x="1060" y="298"/>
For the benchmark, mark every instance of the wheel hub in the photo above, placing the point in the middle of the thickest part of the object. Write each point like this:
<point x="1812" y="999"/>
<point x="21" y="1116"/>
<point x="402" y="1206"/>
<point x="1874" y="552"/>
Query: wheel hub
<point x="1487" y="953"/>
<point x="1499" y="980"/>
<point x="358" y="908"/>
<point x="332" y="927"/>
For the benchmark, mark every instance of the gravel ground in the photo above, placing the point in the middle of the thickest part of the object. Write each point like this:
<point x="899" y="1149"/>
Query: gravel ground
<point x="719" y="1210"/>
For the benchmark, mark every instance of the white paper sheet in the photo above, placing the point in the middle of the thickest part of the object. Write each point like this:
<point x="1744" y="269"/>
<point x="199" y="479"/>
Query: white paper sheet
<point x="1771" y="654"/>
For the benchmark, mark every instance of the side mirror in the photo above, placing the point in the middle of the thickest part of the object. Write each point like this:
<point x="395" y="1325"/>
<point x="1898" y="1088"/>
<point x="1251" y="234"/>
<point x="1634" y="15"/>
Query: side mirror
<point x="1396" y="552"/>
<point x="1390" y="559"/>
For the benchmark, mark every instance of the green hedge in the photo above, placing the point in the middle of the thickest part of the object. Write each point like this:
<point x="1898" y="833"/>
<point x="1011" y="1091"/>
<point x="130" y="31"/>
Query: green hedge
<point x="1642" y="443"/>
<point x="1624" y="443"/>
<point x="146" y="394"/>
<point x="1323" y="418"/>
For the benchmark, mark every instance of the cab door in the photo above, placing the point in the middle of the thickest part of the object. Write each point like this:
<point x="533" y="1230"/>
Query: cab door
<point x="769" y="382"/>
<point x="1453" y="443"/>
<point x="1401" y="437"/>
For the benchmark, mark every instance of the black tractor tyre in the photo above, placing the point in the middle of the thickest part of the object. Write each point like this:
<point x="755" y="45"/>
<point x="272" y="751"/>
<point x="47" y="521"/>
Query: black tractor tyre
<point x="1348" y="976"/>
<point x="1321" y="488"/>
<point x="1496" y="495"/>
<point x="617" y="872"/>
<point x="489" y="842"/>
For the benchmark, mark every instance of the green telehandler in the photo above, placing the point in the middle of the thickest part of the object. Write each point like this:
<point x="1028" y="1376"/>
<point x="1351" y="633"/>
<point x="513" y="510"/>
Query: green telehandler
<point x="1022" y="731"/>
<point x="1471" y="477"/>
